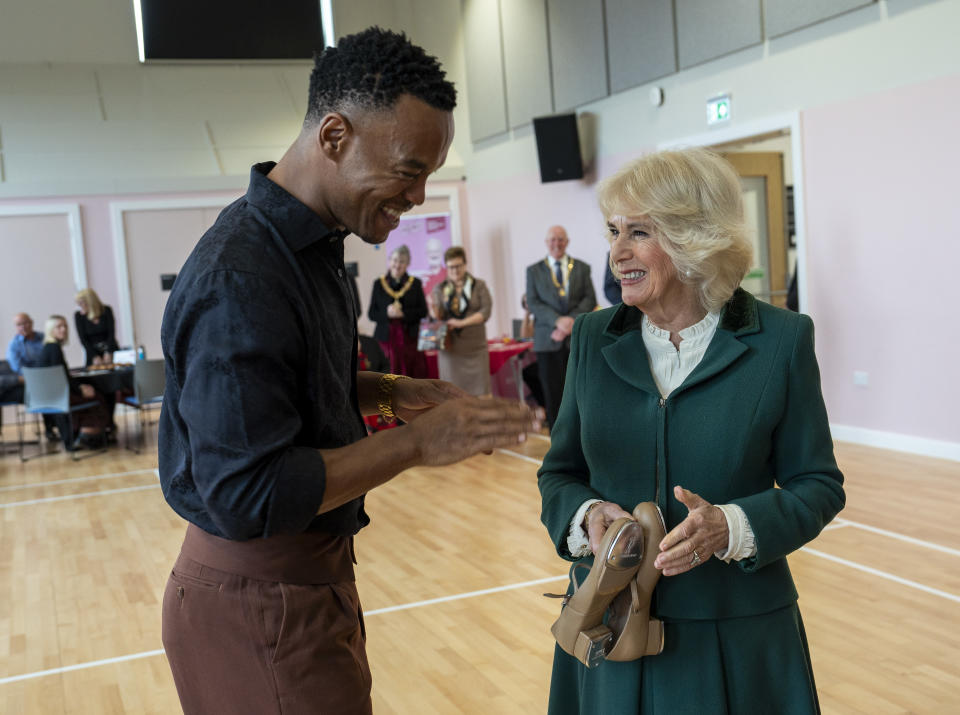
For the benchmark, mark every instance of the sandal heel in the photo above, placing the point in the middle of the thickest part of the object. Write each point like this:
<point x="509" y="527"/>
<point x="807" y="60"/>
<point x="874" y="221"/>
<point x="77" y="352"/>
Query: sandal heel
<point x="654" y="637"/>
<point x="593" y="645"/>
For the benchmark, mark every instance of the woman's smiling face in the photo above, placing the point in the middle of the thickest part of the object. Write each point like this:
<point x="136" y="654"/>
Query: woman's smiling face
<point x="646" y="273"/>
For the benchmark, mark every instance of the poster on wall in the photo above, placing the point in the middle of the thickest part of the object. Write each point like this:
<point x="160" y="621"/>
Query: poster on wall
<point x="427" y="236"/>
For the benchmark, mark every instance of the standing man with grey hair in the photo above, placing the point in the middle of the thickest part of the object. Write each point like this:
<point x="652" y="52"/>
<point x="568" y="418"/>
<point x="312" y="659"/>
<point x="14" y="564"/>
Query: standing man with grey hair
<point x="559" y="288"/>
<point x="262" y="445"/>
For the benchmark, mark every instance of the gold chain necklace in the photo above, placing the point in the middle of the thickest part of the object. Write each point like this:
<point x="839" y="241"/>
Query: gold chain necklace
<point x="396" y="294"/>
<point x="553" y="276"/>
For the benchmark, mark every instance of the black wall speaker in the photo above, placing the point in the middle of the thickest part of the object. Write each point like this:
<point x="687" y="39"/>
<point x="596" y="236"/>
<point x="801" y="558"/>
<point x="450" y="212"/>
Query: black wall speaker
<point x="558" y="147"/>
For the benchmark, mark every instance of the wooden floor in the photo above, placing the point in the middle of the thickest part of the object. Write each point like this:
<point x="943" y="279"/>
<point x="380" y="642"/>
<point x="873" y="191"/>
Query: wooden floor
<point x="451" y="574"/>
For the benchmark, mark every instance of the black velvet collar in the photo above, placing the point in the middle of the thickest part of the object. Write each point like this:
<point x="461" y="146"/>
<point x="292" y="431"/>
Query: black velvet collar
<point x="739" y="316"/>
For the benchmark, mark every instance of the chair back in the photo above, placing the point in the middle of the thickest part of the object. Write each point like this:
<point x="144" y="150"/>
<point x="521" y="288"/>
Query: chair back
<point x="149" y="380"/>
<point x="46" y="389"/>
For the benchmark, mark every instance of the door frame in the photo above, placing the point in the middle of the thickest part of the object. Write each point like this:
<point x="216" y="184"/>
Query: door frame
<point x="78" y="254"/>
<point x="790" y="121"/>
<point x="118" y="230"/>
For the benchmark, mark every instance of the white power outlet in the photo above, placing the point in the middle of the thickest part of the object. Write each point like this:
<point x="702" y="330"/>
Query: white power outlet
<point x="861" y="378"/>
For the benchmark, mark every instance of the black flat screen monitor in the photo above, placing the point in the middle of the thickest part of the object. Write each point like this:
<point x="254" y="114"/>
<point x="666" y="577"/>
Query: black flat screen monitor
<point x="230" y="29"/>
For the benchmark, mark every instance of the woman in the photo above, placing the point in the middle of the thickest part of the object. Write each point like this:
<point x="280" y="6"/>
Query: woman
<point x="397" y="305"/>
<point x="696" y="397"/>
<point x="89" y="425"/>
<point x="95" y="328"/>
<point x="465" y="304"/>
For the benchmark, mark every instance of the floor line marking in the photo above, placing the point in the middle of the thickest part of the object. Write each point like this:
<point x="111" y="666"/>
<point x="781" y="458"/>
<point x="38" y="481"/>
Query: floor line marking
<point x="80" y="666"/>
<point x="520" y="456"/>
<point x="71" y="480"/>
<point x="903" y="537"/>
<point x="468" y="594"/>
<point x="377" y="611"/>
<point x="836" y="524"/>
<point x="84" y="495"/>
<point x="883" y="574"/>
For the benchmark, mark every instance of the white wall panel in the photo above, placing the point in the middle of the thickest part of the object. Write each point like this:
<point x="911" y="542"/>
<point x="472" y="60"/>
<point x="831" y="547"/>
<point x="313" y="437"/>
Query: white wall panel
<point x="485" y="81"/>
<point x="707" y="29"/>
<point x="783" y="16"/>
<point x="526" y="60"/>
<point x="640" y="41"/>
<point x="577" y="52"/>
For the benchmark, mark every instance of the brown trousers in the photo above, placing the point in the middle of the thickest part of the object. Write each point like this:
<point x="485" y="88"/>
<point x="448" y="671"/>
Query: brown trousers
<point x="265" y="627"/>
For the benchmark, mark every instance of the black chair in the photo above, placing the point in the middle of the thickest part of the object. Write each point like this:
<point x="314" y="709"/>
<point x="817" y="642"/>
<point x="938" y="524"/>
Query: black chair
<point x="47" y="392"/>
<point x="149" y="381"/>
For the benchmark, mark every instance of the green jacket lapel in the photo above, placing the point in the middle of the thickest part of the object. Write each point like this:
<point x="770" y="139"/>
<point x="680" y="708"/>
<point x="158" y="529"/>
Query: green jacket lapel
<point x="627" y="355"/>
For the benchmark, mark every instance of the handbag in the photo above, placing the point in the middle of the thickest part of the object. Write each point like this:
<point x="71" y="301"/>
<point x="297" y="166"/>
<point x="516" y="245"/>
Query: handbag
<point x="433" y="335"/>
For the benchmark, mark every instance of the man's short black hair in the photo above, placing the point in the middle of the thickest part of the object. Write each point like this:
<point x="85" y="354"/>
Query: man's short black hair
<point x="371" y="69"/>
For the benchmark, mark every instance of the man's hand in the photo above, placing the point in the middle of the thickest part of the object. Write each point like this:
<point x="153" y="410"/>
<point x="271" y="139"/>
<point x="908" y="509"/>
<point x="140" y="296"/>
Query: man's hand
<point x="565" y="324"/>
<point x="97" y="360"/>
<point x="460" y="428"/>
<point x="413" y="398"/>
<point x="87" y="391"/>
<point x="393" y="311"/>
<point x="562" y="327"/>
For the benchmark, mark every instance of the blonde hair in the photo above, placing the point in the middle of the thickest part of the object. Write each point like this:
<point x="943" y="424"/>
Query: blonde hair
<point x="693" y="198"/>
<point x="92" y="300"/>
<point x="49" y="327"/>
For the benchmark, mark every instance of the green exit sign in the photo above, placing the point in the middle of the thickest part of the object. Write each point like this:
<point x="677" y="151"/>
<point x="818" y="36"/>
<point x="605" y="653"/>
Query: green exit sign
<point x="718" y="109"/>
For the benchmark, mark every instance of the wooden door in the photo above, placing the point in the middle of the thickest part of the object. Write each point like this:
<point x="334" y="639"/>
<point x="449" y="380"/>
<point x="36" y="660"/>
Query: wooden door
<point x="762" y="179"/>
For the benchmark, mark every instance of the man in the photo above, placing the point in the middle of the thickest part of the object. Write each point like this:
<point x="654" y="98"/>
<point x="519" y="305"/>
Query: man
<point x="27" y="344"/>
<point x="260" y="435"/>
<point x="559" y="288"/>
<point x="24" y="351"/>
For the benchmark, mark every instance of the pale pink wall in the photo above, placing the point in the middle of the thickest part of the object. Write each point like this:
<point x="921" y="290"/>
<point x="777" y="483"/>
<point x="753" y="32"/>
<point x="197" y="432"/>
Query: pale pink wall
<point x="883" y="250"/>
<point x="509" y="221"/>
<point x="98" y="241"/>
<point x="98" y="238"/>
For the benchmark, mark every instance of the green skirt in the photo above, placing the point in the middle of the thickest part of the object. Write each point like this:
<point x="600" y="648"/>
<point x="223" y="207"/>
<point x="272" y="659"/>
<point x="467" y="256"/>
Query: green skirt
<point x="737" y="666"/>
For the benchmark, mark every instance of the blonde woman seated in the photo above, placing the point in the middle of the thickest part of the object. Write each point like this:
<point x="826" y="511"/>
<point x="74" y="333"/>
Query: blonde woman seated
<point x="465" y="304"/>
<point x="89" y="426"/>
<point x="699" y="398"/>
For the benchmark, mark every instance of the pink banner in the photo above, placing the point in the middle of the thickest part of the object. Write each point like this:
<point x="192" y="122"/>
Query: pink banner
<point x="427" y="237"/>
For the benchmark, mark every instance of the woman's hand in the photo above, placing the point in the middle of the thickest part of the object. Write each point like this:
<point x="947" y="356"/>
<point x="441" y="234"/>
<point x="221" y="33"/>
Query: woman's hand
<point x="97" y="360"/>
<point x="393" y="311"/>
<point x="87" y="391"/>
<point x="599" y="517"/>
<point x="454" y="323"/>
<point x="704" y="531"/>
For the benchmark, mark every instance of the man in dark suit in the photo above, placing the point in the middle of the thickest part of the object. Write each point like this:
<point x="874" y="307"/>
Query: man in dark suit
<point x="559" y="288"/>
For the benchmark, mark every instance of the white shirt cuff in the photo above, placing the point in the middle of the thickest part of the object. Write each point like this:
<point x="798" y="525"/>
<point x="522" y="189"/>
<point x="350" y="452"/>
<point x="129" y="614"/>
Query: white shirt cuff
<point x="578" y="541"/>
<point x="742" y="544"/>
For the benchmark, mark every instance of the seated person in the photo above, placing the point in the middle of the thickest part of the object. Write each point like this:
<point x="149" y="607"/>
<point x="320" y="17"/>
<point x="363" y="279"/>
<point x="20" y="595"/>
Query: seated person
<point x="89" y="424"/>
<point x="26" y="345"/>
<point x="24" y="351"/>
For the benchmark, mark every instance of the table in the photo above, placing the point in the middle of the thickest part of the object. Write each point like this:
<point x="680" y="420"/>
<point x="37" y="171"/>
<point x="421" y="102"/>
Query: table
<point x="106" y="381"/>
<point x="501" y="354"/>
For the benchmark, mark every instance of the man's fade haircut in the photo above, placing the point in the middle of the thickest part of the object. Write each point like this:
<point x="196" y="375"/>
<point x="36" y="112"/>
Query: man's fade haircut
<point x="371" y="69"/>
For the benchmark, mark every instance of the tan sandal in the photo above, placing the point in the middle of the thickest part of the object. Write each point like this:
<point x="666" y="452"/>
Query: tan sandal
<point x="636" y="634"/>
<point x="580" y="630"/>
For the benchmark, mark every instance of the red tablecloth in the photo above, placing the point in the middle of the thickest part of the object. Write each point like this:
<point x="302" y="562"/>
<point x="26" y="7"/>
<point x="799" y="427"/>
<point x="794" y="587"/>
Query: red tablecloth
<point x="500" y="352"/>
